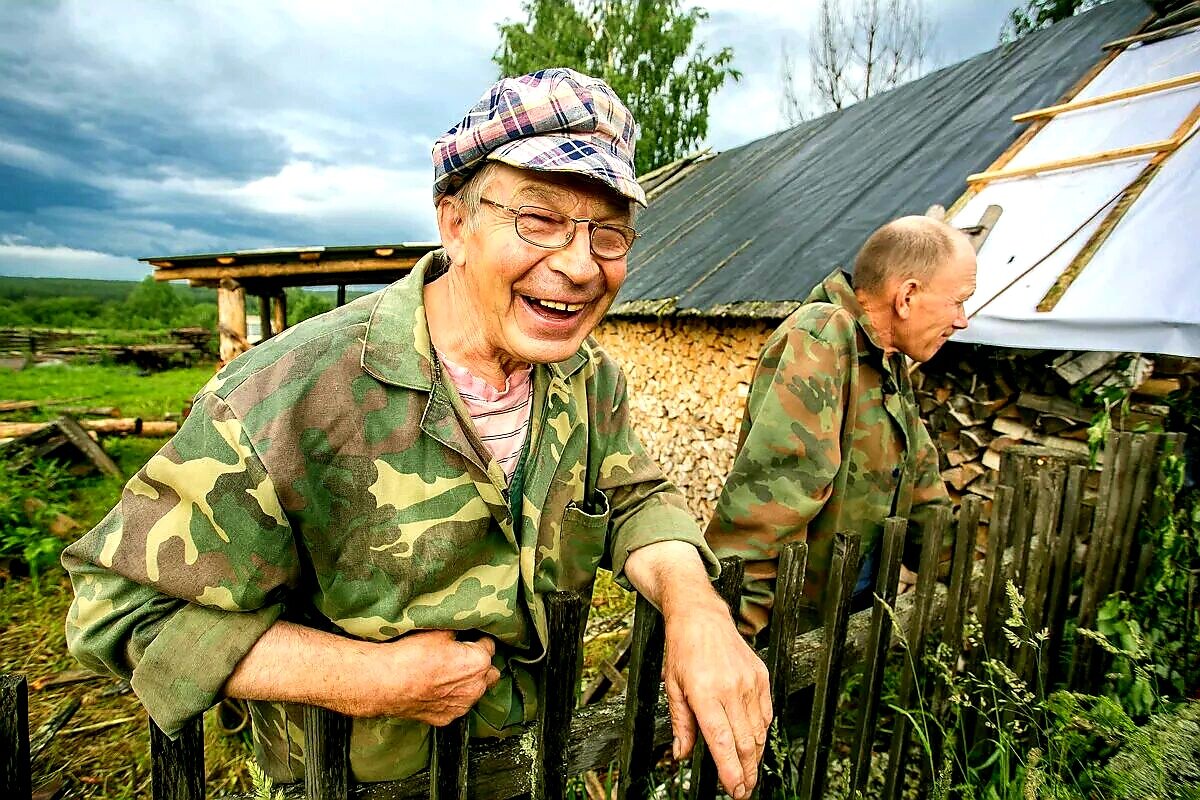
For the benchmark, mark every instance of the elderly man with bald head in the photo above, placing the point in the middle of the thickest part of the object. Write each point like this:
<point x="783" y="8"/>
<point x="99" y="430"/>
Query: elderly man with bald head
<point x="831" y="439"/>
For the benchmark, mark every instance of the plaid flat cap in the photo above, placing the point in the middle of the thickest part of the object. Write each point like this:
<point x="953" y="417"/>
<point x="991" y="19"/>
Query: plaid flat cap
<point x="555" y="120"/>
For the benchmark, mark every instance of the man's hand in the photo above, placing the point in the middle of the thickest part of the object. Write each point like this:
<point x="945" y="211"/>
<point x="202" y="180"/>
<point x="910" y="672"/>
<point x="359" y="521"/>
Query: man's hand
<point x="426" y="675"/>
<point x="430" y="677"/>
<point x="714" y="681"/>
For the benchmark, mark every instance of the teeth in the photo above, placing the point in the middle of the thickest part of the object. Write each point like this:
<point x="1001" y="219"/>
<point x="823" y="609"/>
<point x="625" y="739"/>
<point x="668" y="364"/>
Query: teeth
<point x="568" y="307"/>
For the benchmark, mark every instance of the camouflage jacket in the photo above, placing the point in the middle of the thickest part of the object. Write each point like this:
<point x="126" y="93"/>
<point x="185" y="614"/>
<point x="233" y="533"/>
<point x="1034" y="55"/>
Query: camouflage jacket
<point x="330" y="476"/>
<point x="831" y="440"/>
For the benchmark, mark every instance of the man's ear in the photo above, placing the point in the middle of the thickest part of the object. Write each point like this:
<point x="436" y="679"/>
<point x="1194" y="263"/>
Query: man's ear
<point x="452" y="227"/>
<point x="903" y="297"/>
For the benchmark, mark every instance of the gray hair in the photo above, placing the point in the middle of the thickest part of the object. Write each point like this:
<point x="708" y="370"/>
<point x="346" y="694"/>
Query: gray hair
<point x="909" y="247"/>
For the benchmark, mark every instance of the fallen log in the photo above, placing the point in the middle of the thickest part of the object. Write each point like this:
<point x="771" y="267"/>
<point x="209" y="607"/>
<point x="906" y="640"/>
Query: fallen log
<point x="126" y="426"/>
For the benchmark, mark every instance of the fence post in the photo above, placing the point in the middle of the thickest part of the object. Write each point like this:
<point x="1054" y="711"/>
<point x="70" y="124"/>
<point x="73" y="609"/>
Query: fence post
<point x="704" y="769"/>
<point x="926" y="579"/>
<point x="177" y="766"/>
<point x="566" y="615"/>
<point x="641" y="697"/>
<point x="448" y="762"/>
<point x="326" y="754"/>
<point x="843" y="574"/>
<point x="789" y="590"/>
<point x="14" y="737"/>
<point x="878" y="643"/>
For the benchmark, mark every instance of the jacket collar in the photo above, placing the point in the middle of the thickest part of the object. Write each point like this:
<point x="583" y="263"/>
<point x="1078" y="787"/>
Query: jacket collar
<point x="397" y="348"/>
<point x="836" y="289"/>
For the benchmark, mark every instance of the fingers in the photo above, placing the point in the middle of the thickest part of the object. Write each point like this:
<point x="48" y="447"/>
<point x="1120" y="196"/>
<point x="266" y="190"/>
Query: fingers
<point x="485" y="644"/>
<point x="720" y="735"/>
<point x="683" y="722"/>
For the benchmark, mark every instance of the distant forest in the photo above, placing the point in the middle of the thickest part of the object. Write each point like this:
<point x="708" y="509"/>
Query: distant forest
<point x="129" y="305"/>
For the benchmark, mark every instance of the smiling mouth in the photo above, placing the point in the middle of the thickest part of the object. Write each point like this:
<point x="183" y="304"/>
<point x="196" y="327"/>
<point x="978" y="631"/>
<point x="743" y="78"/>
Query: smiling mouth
<point x="553" y="308"/>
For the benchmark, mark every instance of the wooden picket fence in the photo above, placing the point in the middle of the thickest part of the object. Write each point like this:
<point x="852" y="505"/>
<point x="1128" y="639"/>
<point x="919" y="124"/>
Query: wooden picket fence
<point x="1038" y="517"/>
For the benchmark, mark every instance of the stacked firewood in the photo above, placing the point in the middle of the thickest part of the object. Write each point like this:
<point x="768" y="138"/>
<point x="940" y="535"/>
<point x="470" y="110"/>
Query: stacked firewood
<point x="979" y="401"/>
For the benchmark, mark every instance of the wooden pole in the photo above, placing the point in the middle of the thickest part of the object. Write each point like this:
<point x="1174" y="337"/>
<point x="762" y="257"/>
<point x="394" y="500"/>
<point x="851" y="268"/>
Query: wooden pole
<point x="566" y="616"/>
<point x="231" y="318"/>
<point x="638" y="754"/>
<point x="14" y="737"/>
<point x="1111" y="97"/>
<point x="1116" y="154"/>
<point x="785" y="619"/>
<point x="448" y="764"/>
<point x="341" y="295"/>
<point x="279" y="313"/>
<point x="264" y="317"/>
<point x="177" y="766"/>
<point x="704" y="769"/>
<point x="326" y="754"/>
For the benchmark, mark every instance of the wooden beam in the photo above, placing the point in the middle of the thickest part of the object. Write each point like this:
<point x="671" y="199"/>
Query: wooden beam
<point x="1111" y="97"/>
<point x="1160" y="146"/>
<point x="1150" y="36"/>
<point x="1019" y="143"/>
<point x="277" y="269"/>
<point x="1132" y="192"/>
<point x="279" y="313"/>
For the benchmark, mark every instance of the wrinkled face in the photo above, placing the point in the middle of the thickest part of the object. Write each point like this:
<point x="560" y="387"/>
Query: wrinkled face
<point x="535" y="304"/>
<point x="935" y="309"/>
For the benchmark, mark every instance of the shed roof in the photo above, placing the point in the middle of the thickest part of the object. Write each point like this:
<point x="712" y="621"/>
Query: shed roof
<point x="750" y="231"/>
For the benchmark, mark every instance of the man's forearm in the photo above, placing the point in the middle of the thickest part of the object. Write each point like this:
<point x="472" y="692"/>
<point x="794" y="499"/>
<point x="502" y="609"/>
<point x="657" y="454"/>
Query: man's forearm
<point x="294" y="664"/>
<point x="669" y="574"/>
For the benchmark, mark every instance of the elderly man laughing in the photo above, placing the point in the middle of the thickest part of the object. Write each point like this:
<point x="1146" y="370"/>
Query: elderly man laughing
<point x="364" y="512"/>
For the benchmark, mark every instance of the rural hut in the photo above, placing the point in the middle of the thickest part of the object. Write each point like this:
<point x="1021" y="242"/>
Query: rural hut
<point x="733" y="242"/>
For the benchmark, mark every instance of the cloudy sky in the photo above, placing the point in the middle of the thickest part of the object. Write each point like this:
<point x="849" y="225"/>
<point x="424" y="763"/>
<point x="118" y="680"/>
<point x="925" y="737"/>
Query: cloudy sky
<point x="135" y="129"/>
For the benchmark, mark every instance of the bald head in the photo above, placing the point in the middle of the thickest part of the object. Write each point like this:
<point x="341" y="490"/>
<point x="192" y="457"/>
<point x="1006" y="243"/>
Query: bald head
<point x="908" y="247"/>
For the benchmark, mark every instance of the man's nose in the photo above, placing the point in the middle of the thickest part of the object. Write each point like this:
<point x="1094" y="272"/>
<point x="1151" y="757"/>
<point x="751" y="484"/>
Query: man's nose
<point x="575" y="261"/>
<point x="960" y="321"/>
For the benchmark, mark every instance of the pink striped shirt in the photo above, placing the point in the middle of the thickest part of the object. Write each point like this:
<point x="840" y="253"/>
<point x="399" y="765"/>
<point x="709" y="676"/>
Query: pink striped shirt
<point x="501" y="417"/>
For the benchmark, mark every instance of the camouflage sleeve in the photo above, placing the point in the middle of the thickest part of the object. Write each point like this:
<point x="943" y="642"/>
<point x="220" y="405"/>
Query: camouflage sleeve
<point x="929" y="492"/>
<point x="179" y="581"/>
<point x="788" y="458"/>
<point x="645" y="506"/>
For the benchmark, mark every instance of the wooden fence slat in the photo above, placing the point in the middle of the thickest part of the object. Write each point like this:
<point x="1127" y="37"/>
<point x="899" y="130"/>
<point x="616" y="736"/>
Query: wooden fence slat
<point x="957" y="603"/>
<point x="988" y="607"/>
<point x="879" y="642"/>
<point x="1024" y="527"/>
<point x="177" y="766"/>
<point x="566" y="616"/>
<point x="1061" y="567"/>
<point x="14" y="737"/>
<point x="448" y="761"/>
<point x="789" y="591"/>
<point x="843" y="574"/>
<point x="1096" y="578"/>
<point x="641" y="698"/>
<point x="704" y="769"/>
<point x="910" y="678"/>
<point x="1045" y="521"/>
<point x="1147" y="463"/>
<point x="326" y="754"/>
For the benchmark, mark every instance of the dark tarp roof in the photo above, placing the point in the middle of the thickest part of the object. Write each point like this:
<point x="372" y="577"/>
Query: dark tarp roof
<point x="768" y="220"/>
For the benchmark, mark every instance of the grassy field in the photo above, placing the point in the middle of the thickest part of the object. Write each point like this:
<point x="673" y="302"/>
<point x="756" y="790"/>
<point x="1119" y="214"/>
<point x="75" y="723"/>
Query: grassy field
<point x="103" y="752"/>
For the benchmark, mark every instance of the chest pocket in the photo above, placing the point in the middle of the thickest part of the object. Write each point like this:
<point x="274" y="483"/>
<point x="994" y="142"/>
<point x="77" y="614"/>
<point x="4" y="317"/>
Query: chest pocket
<point x="584" y="534"/>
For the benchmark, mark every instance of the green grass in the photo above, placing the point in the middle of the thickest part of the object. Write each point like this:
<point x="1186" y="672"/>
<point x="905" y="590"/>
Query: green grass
<point x="151" y="396"/>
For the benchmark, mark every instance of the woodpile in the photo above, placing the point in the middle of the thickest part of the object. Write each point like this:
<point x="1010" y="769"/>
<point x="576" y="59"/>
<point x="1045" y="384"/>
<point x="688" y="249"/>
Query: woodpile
<point x="980" y="401"/>
<point x="688" y="383"/>
<point x="689" y="379"/>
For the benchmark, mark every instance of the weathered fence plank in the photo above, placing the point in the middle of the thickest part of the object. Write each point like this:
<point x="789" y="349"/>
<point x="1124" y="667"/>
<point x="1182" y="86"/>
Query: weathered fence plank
<point x="326" y="754"/>
<point x="641" y="699"/>
<point x="448" y="761"/>
<point x="177" y="766"/>
<point x="910" y="677"/>
<point x="704" y="769"/>
<point x="566" y="616"/>
<point x="1062" y="568"/>
<point x="789" y="590"/>
<point x="878" y="644"/>
<point x="843" y="574"/>
<point x="14" y="737"/>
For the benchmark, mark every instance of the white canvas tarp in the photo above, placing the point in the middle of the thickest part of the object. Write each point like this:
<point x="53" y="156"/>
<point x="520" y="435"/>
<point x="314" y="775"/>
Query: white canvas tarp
<point x="1141" y="290"/>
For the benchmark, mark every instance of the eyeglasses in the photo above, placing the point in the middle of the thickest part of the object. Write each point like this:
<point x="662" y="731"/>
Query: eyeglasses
<point x="543" y="227"/>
